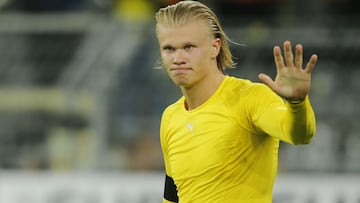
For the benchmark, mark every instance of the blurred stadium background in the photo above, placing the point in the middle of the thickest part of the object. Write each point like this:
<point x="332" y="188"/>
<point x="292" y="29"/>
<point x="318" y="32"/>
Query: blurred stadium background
<point x="81" y="101"/>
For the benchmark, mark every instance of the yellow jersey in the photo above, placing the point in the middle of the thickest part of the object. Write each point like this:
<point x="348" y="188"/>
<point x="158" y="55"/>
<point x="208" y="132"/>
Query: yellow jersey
<point x="226" y="150"/>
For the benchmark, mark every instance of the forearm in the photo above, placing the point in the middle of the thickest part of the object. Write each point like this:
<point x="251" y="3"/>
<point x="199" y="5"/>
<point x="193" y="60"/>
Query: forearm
<point x="300" y="123"/>
<point x="292" y="123"/>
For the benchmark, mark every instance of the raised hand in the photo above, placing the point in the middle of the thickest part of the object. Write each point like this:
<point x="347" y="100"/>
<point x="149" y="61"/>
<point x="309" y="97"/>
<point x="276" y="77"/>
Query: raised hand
<point x="292" y="81"/>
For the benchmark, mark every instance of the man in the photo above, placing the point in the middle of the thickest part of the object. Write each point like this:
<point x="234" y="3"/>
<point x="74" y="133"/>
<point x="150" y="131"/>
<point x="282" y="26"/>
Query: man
<point x="220" y="139"/>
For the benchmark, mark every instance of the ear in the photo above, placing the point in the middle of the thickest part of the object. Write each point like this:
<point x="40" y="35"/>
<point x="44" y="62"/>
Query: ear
<point x="216" y="45"/>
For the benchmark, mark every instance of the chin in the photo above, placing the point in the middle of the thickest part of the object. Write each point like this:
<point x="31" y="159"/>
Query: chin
<point x="182" y="83"/>
<point x="180" y="80"/>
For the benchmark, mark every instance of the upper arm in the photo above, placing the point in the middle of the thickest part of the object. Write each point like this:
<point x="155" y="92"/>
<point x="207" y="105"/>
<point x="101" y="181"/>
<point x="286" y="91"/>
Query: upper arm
<point x="170" y="190"/>
<point x="163" y="141"/>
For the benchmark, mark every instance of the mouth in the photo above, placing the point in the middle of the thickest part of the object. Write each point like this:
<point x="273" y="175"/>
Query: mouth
<point x="182" y="70"/>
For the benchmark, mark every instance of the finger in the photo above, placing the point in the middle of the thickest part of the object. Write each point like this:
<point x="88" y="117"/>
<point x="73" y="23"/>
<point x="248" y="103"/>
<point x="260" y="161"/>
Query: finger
<point x="311" y="64"/>
<point x="298" y="56"/>
<point x="278" y="58"/>
<point x="289" y="58"/>
<point x="266" y="79"/>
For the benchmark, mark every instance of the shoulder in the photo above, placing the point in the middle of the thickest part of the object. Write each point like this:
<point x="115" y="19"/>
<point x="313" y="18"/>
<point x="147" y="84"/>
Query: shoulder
<point x="168" y="116"/>
<point x="245" y="87"/>
<point x="247" y="96"/>
<point x="172" y="108"/>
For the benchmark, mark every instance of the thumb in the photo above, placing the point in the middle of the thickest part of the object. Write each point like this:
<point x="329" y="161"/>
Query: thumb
<point x="266" y="79"/>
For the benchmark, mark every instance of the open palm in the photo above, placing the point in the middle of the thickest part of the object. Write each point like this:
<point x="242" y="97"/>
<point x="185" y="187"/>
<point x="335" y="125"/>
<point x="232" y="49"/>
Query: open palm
<point x="292" y="81"/>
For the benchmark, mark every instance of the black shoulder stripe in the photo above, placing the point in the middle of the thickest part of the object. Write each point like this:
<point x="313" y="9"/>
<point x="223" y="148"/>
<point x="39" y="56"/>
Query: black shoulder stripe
<point x="170" y="191"/>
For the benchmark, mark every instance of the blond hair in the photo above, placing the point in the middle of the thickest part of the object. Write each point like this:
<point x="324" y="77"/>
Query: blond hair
<point x="186" y="11"/>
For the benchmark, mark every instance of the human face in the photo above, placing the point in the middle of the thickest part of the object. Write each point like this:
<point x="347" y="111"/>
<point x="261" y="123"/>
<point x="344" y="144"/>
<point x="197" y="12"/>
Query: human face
<point x="188" y="52"/>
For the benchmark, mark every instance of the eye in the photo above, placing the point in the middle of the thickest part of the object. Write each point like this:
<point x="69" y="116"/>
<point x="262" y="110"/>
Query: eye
<point x="189" y="47"/>
<point x="168" y="48"/>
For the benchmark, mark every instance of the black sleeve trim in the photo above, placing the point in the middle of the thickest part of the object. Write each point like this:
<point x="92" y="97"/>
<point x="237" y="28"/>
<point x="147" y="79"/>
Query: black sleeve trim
<point x="170" y="190"/>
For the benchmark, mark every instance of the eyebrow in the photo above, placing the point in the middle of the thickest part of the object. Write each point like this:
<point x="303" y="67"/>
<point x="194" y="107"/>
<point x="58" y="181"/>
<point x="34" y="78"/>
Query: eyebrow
<point x="182" y="45"/>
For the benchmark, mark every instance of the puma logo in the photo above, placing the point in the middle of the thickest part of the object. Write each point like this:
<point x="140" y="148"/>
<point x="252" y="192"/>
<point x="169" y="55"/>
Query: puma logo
<point x="189" y="126"/>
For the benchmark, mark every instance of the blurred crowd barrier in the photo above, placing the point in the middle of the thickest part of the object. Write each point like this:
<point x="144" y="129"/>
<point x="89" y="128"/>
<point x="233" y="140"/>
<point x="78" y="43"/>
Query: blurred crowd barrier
<point x="148" y="188"/>
<point x="80" y="92"/>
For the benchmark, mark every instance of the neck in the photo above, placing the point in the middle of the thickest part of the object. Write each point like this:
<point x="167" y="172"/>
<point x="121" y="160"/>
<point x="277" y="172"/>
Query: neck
<point x="202" y="91"/>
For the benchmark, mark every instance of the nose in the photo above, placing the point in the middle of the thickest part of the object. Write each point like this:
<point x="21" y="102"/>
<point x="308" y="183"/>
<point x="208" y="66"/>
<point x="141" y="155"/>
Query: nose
<point x="178" y="57"/>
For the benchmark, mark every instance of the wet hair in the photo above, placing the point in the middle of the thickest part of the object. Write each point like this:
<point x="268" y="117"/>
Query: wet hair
<point x="186" y="11"/>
